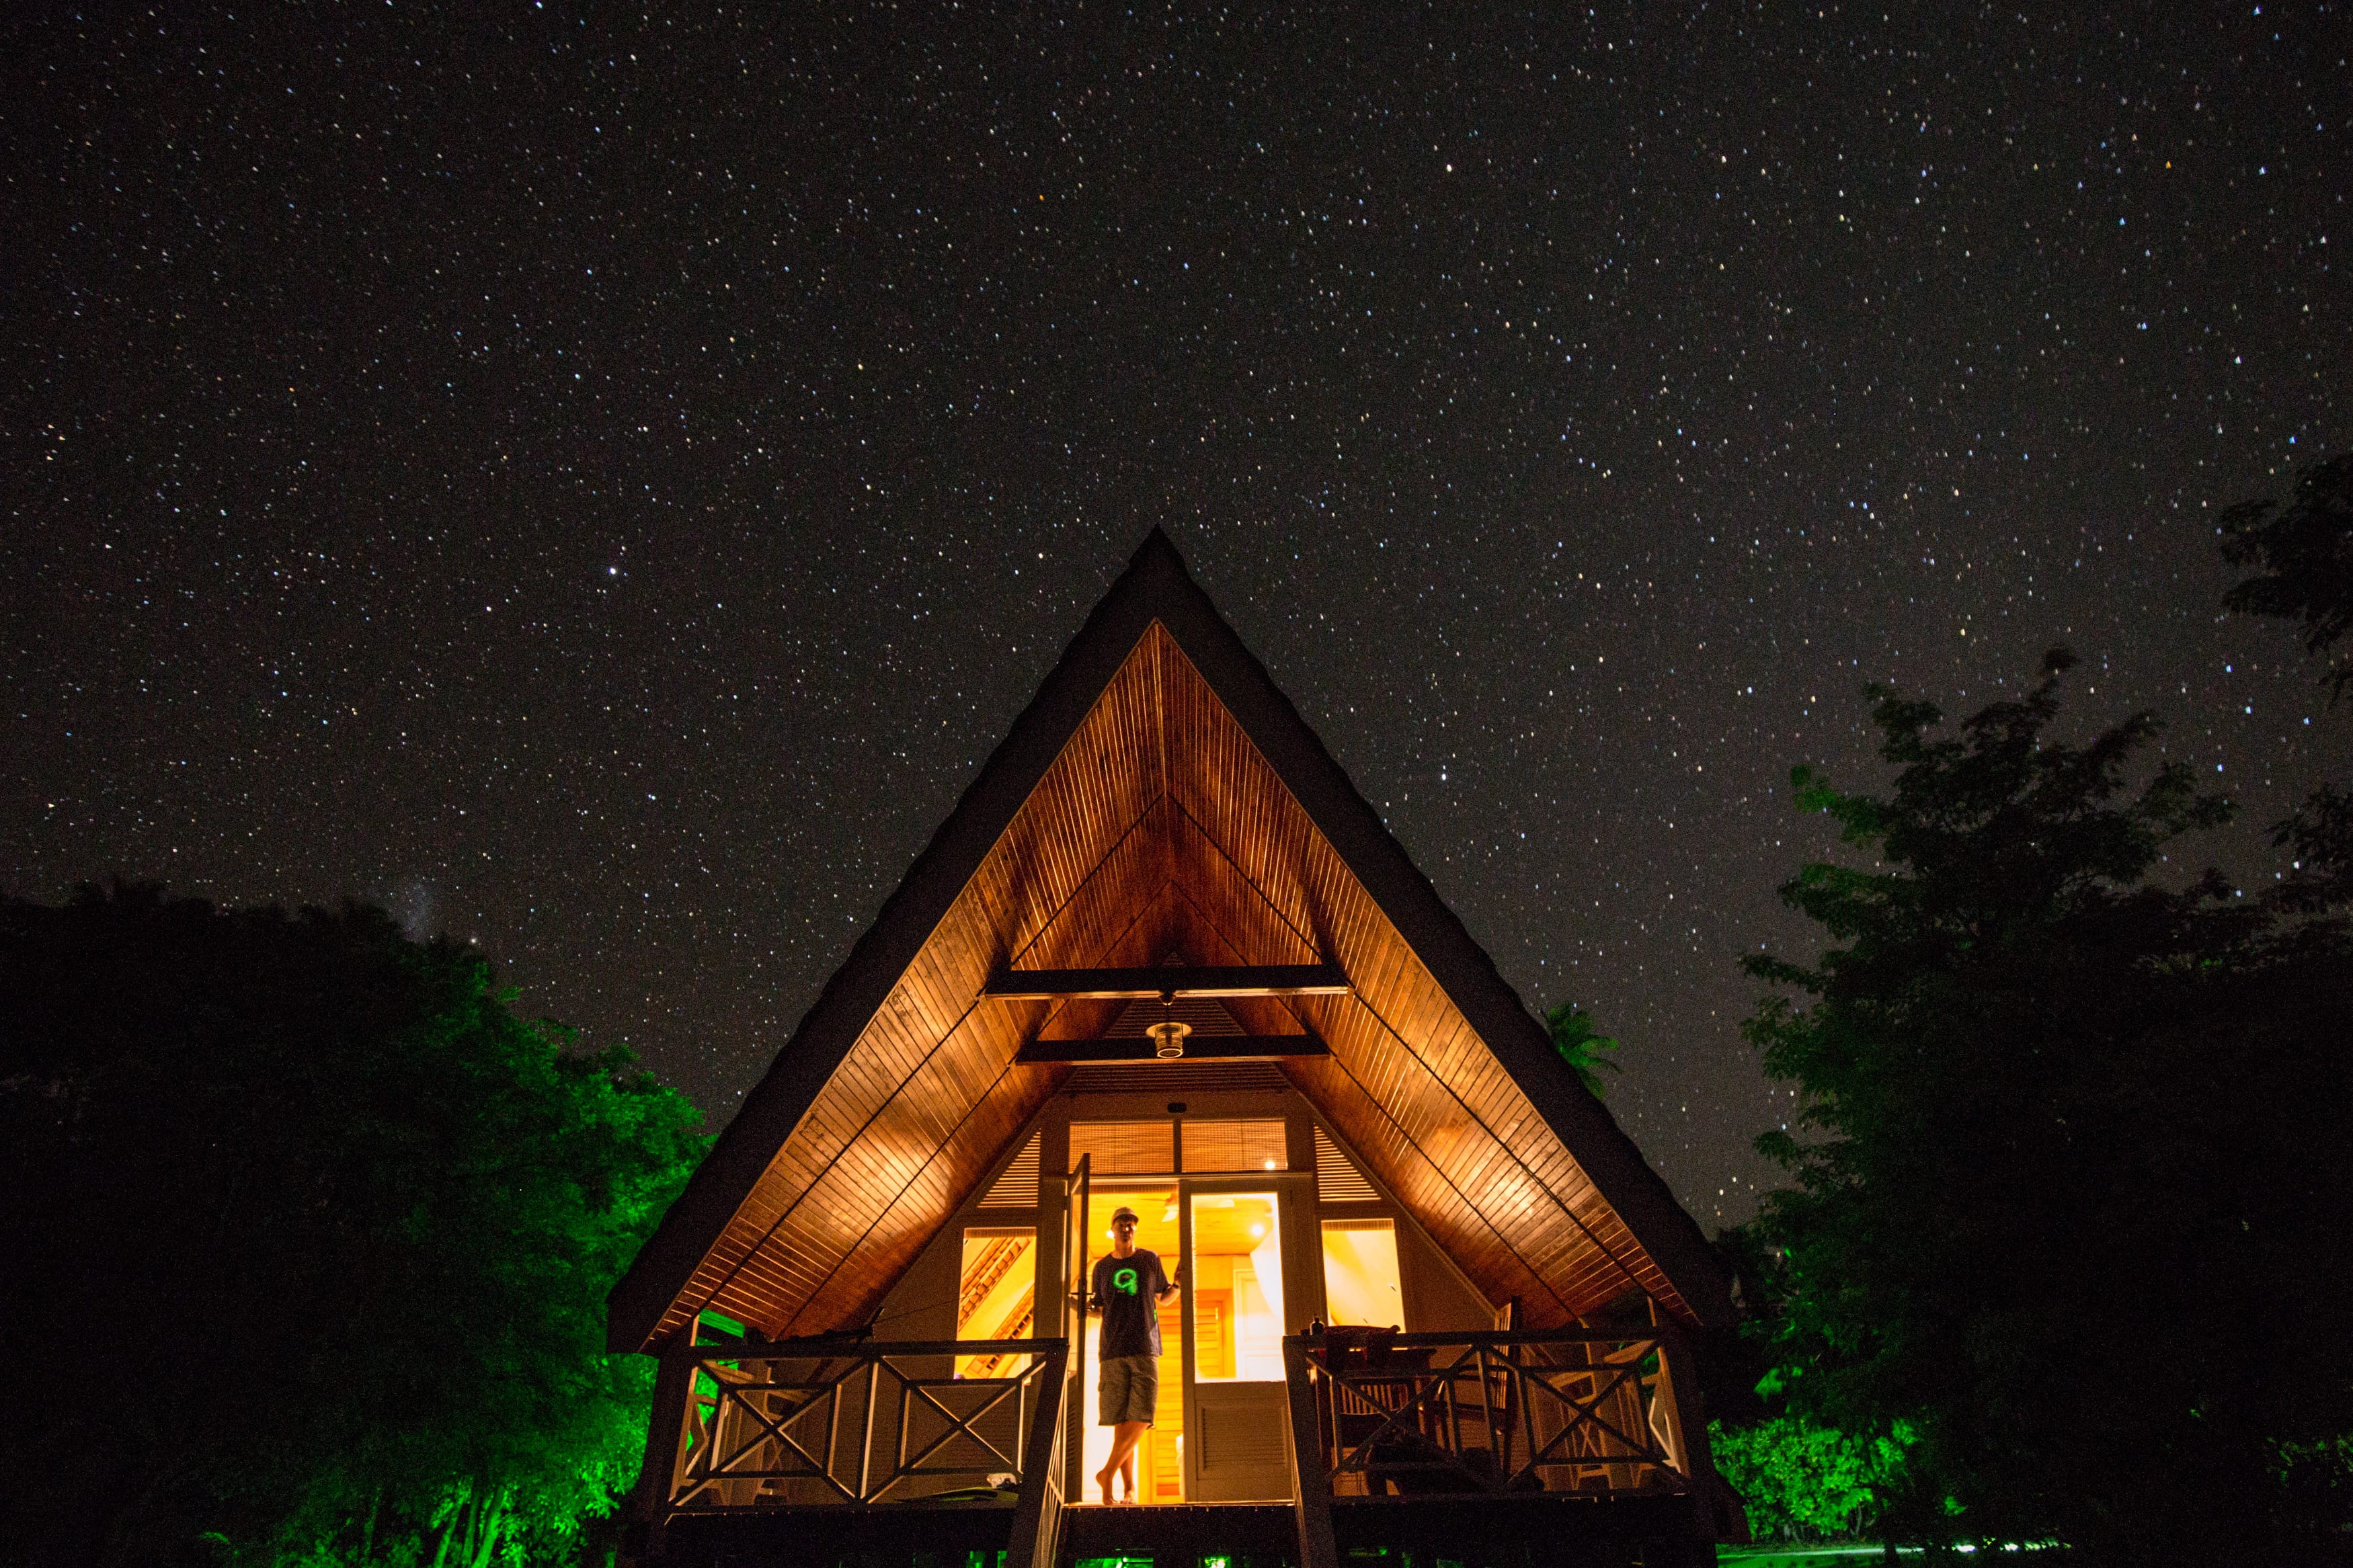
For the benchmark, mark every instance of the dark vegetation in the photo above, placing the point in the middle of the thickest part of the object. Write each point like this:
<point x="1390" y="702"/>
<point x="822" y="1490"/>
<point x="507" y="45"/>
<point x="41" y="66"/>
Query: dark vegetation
<point x="2304" y="552"/>
<point x="2067" y="1256"/>
<point x="306" y="1246"/>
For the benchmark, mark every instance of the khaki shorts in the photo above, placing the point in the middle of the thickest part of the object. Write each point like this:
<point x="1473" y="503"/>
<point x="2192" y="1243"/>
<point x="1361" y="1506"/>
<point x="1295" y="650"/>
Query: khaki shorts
<point x="1129" y="1389"/>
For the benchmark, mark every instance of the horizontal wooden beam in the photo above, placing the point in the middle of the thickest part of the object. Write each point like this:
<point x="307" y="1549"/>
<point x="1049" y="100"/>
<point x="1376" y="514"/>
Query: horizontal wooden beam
<point x="826" y="1347"/>
<point x="1643" y="1334"/>
<point x="1108" y="984"/>
<point x="1198" y="1047"/>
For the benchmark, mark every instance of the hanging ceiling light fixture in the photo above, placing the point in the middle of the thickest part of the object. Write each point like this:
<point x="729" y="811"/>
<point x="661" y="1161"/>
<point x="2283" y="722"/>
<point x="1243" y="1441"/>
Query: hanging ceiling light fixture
<point x="1168" y="1035"/>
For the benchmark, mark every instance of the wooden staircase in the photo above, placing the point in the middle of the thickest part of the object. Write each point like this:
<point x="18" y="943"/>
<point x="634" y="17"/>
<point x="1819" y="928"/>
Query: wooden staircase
<point x="1183" y="1535"/>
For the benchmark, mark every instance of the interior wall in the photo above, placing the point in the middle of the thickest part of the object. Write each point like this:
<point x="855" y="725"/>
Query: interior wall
<point x="923" y="1304"/>
<point x="1437" y="1296"/>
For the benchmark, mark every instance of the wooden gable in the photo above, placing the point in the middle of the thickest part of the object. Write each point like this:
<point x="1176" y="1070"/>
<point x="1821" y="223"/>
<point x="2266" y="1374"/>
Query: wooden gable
<point x="1159" y="798"/>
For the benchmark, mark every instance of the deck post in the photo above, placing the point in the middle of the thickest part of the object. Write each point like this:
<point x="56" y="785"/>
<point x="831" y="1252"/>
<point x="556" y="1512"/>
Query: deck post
<point x="674" y="1371"/>
<point x="1318" y="1546"/>
<point x="1690" y="1421"/>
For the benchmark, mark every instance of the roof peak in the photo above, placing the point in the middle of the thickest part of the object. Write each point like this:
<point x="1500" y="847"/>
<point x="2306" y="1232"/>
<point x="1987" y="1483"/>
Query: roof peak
<point x="1158" y="765"/>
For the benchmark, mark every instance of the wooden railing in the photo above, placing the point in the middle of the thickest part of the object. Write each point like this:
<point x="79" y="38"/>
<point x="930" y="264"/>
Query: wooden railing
<point x="1037" y="1519"/>
<point x="856" y="1424"/>
<point x="1489" y="1414"/>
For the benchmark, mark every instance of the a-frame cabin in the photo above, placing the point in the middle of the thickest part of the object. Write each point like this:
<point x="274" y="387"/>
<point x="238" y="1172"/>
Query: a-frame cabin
<point x="865" y="1303"/>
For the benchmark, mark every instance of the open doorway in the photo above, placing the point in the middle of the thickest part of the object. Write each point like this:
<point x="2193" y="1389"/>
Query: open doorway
<point x="1160" y="1458"/>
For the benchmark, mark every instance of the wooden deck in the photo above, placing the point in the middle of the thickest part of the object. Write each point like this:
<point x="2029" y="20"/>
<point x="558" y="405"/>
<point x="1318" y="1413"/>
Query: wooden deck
<point x="1522" y="1533"/>
<point x="1513" y="1449"/>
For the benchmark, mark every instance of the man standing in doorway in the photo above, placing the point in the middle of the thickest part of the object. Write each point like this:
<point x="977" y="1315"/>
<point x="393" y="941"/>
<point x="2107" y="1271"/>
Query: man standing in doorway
<point x="1126" y="1290"/>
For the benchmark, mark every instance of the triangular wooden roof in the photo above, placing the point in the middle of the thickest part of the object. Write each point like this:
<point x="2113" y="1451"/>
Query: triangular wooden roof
<point x="1159" y="796"/>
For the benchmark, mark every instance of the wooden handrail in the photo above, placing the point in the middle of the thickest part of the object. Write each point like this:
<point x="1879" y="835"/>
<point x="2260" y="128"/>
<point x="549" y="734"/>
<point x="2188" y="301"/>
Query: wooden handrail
<point x="1433" y="1338"/>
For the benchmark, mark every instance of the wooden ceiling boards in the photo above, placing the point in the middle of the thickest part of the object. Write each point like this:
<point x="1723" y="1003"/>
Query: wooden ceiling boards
<point x="1160" y="799"/>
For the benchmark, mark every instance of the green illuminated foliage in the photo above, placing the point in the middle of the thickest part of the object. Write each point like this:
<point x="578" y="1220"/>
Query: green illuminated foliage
<point x="1800" y="1479"/>
<point x="1582" y="1044"/>
<point x="335" y="1225"/>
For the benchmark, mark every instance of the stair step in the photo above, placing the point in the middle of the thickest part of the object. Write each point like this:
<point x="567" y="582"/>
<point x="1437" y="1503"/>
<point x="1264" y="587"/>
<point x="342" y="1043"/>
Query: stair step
<point x="1246" y="1536"/>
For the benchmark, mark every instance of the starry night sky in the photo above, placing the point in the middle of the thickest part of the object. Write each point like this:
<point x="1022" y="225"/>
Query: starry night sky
<point x="600" y="484"/>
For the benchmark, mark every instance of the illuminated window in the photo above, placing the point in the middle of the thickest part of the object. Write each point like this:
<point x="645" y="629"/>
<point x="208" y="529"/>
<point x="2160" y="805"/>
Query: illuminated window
<point x="1236" y="1288"/>
<point x="996" y="1297"/>
<point x="1125" y="1147"/>
<point x="1360" y="1273"/>
<point x="1235" y="1146"/>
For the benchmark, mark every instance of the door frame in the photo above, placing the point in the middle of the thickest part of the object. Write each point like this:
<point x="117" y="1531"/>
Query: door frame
<point x="1072" y="1286"/>
<point x="1294" y="1202"/>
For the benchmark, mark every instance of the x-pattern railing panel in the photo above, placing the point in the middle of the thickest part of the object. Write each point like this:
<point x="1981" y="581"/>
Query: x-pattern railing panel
<point x="1605" y="1381"/>
<point x="757" y="1433"/>
<point x="742" y="1397"/>
<point x="964" y="1425"/>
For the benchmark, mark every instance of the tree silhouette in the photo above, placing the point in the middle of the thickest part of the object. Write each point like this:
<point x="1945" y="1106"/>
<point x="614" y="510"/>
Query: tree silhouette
<point x="2305" y="551"/>
<point x="307" y="1243"/>
<point x="2068" y="1203"/>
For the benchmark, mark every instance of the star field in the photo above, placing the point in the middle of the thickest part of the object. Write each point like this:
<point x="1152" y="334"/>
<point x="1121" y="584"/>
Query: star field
<point x="601" y="484"/>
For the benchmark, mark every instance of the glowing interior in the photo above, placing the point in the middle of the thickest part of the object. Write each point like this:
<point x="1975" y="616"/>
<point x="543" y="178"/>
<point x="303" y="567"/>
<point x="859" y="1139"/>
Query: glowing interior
<point x="1236" y="1288"/>
<point x="1360" y="1273"/>
<point x="996" y="1296"/>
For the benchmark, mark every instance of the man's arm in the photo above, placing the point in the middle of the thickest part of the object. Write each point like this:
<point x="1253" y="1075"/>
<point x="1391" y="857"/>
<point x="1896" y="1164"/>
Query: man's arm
<point x="1167" y="1291"/>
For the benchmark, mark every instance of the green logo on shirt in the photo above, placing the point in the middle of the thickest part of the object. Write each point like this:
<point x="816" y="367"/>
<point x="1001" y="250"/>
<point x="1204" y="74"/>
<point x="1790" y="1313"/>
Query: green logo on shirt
<point x="1124" y="1282"/>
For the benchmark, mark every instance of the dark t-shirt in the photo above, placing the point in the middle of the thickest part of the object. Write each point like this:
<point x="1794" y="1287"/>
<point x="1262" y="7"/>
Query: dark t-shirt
<point x="1128" y="1293"/>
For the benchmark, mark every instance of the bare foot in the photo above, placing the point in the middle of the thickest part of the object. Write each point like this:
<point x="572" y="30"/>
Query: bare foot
<point x="1102" y="1480"/>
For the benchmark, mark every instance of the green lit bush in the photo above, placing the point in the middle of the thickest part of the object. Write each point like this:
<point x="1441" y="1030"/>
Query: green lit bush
<point x="1802" y="1480"/>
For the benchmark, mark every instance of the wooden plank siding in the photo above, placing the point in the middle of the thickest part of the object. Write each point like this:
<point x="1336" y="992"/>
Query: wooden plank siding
<point x="1158" y="830"/>
<point x="1432" y="1108"/>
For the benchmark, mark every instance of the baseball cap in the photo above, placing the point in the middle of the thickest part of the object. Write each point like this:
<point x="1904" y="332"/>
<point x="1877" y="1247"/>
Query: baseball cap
<point x="1123" y="1212"/>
